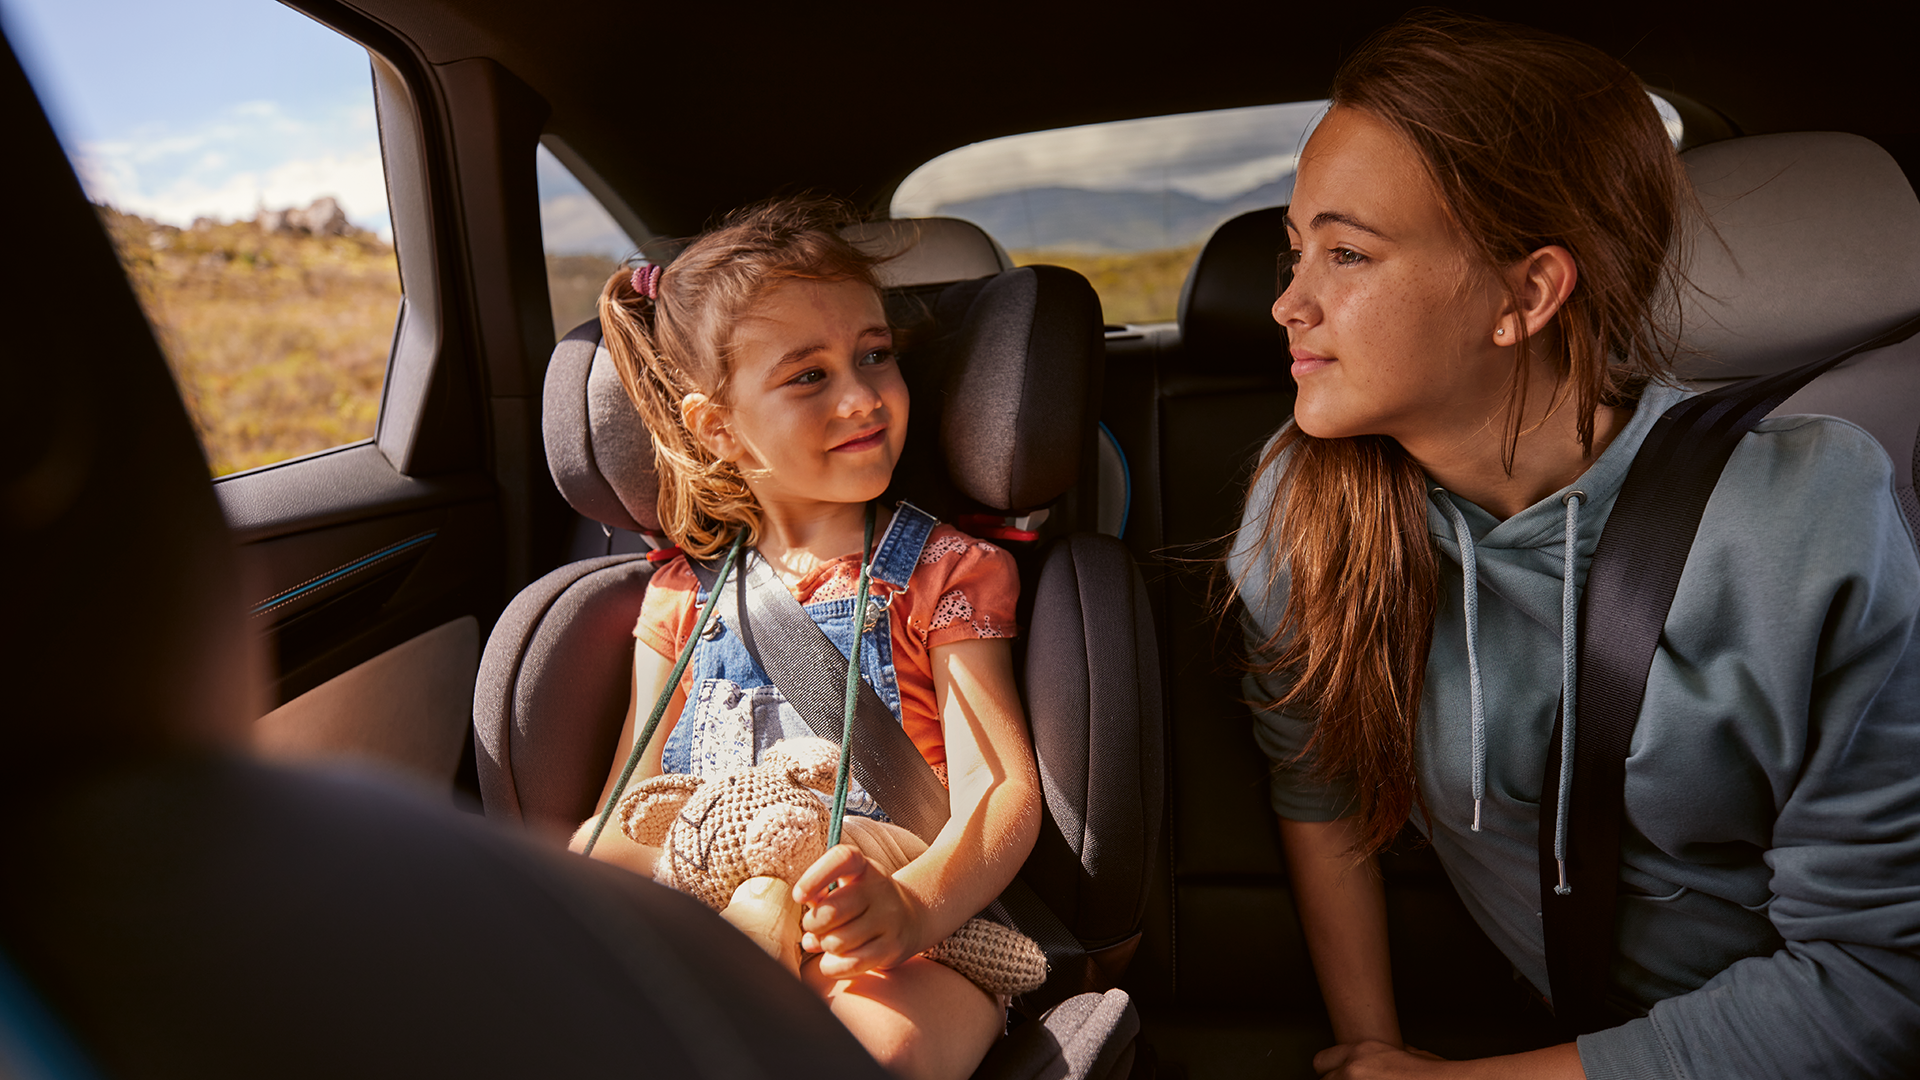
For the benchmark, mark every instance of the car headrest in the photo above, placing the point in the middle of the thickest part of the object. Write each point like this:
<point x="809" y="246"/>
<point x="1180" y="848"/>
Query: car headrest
<point x="1021" y="350"/>
<point x="929" y="251"/>
<point x="1818" y="249"/>
<point x="1226" y="320"/>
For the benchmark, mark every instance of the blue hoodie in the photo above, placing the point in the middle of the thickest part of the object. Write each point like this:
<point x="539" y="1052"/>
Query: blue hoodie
<point x="1769" y="921"/>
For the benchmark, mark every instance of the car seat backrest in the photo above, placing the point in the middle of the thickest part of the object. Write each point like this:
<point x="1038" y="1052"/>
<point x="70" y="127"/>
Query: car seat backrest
<point x="1815" y="248"/>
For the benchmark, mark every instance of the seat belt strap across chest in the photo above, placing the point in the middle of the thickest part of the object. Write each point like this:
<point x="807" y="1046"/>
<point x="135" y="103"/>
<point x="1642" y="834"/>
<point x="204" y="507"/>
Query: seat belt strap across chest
<point x="1631" y="583"/>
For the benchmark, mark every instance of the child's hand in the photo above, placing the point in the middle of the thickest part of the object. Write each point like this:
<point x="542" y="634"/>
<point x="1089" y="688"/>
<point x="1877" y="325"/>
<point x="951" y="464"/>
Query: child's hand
<point x="868" y="922"/>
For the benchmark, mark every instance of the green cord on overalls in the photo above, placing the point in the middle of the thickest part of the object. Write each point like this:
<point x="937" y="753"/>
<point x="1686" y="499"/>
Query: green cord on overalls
<point x="666" y="692"/>
<point x="853" y="685"/>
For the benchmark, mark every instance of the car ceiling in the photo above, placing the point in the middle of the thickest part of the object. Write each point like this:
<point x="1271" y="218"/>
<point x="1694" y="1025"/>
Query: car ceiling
<point x="688" y="109"/>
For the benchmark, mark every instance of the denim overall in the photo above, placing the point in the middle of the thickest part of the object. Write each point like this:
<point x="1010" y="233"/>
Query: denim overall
<point x="734" y="712"/>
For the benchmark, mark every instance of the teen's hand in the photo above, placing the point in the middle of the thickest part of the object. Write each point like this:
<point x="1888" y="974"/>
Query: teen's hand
<point x="1360" y="1061"/>
<point x="1384" y="1061"/>
<point x="868" y="922"/>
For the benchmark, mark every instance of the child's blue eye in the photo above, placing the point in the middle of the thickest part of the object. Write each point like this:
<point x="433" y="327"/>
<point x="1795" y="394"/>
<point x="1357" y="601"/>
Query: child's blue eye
<point x="807" y="377"/>
<point x="879" y="356"/>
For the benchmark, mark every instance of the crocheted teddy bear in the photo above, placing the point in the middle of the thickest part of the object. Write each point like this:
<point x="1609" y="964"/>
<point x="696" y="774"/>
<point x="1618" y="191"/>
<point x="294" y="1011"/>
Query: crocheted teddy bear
<point x="737" y="842"/>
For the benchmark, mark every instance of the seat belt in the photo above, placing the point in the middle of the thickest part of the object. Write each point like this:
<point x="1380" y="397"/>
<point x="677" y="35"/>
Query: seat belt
<point x="1631" y="583"/>
<point x="805" y="667"/>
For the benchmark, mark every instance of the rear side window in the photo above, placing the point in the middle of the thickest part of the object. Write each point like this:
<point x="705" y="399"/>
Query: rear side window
<point x="1127" y="204"/>
<point x="234" y="158"/>
<point x="583" y="242"/>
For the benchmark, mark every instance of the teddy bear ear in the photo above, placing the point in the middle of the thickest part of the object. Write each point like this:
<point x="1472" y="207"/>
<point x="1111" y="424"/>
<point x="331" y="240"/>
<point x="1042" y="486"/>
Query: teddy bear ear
<point x="811" y="761"/>
<point x="649" y="809"/>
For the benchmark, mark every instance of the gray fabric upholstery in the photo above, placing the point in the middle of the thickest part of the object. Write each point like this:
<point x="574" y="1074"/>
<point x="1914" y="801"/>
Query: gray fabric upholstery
<point x="1086" y="1037"/>
<point x="1818" y="248"/>
<point x="1093" y="697"/>
<point x="562" y="650"/>
<point x="1022" y="389"/>
<point x="598" y="451"/>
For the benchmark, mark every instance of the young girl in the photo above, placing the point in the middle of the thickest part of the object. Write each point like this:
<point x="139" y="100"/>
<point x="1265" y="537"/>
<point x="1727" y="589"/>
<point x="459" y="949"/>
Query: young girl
<point x="763" y="364"/>
<point x="1483" y="230"/>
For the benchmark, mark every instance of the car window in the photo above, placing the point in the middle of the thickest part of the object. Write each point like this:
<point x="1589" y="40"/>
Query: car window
<point x="1127" y="204"/>
<point x="583" y="241"/>
<point x="233" y="152"/>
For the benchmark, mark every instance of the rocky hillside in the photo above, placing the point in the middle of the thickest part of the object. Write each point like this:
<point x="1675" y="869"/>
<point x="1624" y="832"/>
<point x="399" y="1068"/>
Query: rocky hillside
<point x="277" y="328"/>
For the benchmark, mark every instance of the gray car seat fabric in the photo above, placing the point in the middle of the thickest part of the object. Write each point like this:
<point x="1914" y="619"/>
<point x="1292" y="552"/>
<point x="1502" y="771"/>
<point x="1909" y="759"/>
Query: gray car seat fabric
<point x="1815" y="247"/>
<point x="183" y="913"/>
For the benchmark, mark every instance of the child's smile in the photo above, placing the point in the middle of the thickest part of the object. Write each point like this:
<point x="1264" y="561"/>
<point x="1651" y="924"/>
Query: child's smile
<point x="816" y="411"/>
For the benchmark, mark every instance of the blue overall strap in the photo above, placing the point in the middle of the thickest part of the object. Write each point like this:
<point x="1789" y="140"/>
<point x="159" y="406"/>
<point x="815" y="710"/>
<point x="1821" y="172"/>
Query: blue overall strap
<point x="1631" y="584"/>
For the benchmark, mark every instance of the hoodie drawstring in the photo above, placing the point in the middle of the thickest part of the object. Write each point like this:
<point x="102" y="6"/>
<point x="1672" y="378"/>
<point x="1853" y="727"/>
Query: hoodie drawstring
<point x="1569" y="655"/>
<point x="1471" y="599"/>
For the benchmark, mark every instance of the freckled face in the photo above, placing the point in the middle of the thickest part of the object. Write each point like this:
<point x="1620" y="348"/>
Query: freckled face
<point x="1390" y="332"/>
<point x="817" y="410"/>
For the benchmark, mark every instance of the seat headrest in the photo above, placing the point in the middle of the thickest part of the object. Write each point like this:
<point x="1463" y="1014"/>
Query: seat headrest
<point x="1818" y="249"/>
<point x="1226" y="320"/>
<point x="1022" y="350"/>
<point x="929" y="251"/>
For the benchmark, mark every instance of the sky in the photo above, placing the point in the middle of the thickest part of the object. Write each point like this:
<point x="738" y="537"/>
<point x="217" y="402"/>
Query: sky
<point x="211" y="108"/>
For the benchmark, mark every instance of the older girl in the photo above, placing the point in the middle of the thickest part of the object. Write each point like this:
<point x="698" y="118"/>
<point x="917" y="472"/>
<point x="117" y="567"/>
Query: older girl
<point x="1484" y="238"/>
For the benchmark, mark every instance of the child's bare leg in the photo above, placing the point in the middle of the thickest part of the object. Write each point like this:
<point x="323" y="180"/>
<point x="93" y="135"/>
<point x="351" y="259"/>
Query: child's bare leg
<point x="921" y="1020"/>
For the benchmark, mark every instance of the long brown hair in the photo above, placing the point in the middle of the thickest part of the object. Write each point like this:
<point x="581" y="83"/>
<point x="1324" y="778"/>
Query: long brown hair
<point x="1530" y="139"/>
<point x="679" y="342"/>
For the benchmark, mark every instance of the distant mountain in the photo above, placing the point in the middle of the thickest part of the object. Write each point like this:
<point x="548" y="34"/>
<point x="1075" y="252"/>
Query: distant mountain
<point x="1077" y="219"/>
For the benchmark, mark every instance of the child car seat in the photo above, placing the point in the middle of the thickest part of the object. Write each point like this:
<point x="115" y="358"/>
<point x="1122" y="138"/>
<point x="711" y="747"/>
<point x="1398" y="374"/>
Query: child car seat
<point x="1021" y="349"/>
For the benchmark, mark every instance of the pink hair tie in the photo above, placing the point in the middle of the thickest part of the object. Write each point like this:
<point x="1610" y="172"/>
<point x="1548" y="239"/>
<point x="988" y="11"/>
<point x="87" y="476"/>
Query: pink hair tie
<point x="646" y="281"/>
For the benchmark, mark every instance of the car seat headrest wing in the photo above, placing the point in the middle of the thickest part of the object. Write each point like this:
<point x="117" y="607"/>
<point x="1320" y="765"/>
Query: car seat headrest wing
<point x="1818" y="249"/>
<point x="1226" y="304"/>
<point x="598" y="450"/>
<point x="1021" y="394"/>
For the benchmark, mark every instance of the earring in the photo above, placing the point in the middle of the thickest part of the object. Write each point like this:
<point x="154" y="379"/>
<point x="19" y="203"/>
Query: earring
<point x="1502" y="332"/>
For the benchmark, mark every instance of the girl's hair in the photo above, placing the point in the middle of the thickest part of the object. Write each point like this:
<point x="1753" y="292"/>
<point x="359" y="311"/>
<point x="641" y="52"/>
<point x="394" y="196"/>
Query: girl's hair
<point x="680" y="342"/>
<point x="1530" y="139"/>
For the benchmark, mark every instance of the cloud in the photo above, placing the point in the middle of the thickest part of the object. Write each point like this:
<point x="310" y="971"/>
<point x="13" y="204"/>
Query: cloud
<point x="252" y="153"/>
<point x="1214" y="155"/>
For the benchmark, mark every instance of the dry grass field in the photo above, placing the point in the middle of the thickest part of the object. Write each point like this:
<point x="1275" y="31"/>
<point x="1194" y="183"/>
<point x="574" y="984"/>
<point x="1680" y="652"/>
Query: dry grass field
<point x="278" y="341"/>
<point x="1138" y="287"/>
<point x="573" y="287"/>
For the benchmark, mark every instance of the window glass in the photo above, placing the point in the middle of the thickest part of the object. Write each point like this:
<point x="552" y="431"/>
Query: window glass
<point x="232" y="150"/>
<point x="1127" y="204"/>
<point x="584" y="244"/>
